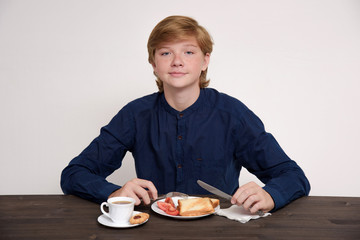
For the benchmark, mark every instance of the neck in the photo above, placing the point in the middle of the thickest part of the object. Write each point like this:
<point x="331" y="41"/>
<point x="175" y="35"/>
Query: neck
<point x="180" y="100"/>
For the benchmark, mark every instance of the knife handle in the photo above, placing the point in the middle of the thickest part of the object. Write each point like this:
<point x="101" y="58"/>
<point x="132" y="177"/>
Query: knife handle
<point x="260" y="213"/>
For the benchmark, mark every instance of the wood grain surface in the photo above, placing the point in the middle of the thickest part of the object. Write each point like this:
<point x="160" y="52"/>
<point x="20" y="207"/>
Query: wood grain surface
<point x="69" y="217"/>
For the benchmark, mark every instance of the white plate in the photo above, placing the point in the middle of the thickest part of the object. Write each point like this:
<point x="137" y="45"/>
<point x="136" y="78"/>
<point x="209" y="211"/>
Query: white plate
<point x="104" y="220"/>
<point x="156" y="209"/>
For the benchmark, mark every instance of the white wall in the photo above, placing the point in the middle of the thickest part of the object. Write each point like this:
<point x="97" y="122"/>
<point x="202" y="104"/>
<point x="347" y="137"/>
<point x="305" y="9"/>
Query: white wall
<point x="67" y="67"/>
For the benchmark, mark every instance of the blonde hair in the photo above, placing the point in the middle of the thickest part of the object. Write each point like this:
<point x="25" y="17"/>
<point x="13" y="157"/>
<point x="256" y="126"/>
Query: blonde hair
<point x="174" y="28"/>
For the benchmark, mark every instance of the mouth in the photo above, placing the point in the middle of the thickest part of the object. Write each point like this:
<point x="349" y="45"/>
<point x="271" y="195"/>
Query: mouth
<point x="177" y="74"/>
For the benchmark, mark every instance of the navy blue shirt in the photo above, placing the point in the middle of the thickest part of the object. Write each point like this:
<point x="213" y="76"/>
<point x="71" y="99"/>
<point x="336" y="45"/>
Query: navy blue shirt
<point x="211" y="140"/>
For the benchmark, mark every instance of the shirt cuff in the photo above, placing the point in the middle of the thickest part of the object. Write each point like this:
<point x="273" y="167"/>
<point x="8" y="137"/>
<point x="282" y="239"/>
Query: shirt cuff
<point x="278" y="199"/>
<point x="105" y="192"/>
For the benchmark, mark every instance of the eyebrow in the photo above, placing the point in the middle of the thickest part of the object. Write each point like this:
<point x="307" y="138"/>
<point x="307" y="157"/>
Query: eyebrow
<point x="186" y="45"/>
<point x="191" y="45"/>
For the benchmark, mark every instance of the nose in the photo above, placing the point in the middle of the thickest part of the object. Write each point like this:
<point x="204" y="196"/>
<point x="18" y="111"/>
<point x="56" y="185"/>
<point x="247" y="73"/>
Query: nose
<point x="177" y="61"/>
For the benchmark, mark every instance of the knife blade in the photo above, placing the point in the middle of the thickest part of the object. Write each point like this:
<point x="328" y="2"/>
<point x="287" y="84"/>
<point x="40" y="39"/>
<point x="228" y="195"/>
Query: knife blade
<point x="220" y="193"/>
<point x="214" y="190"/>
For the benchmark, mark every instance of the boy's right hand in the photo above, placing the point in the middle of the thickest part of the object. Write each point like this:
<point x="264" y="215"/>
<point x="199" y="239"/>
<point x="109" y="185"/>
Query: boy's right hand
<point x="137" y="189"/>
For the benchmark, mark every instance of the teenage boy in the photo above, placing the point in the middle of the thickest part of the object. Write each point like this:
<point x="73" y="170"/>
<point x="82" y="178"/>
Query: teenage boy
<point x="186" y="132"/>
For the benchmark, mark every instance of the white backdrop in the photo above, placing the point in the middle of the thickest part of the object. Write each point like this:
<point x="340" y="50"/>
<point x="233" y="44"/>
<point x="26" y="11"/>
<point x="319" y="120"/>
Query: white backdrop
<point x="67" y="67"/>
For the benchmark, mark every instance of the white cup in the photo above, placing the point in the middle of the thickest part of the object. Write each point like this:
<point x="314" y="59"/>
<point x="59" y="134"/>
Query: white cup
<point x="120" y="209"/>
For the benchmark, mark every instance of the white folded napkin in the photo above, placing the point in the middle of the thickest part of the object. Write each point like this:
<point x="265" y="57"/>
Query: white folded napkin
<point x="238" y="213"/>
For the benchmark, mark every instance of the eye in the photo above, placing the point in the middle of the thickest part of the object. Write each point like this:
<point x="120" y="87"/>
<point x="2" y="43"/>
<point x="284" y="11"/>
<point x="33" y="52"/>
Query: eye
<point x="189" y="52"/>
<point x="164" y="53"/>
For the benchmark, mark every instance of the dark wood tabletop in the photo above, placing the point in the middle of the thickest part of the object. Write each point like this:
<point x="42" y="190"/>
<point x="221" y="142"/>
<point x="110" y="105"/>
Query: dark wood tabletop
<point x="69" y="217"/>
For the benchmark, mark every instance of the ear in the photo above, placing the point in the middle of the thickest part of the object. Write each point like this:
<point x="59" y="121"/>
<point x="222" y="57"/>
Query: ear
<point x="154" y="68"/>
<point x="206" y="62"/>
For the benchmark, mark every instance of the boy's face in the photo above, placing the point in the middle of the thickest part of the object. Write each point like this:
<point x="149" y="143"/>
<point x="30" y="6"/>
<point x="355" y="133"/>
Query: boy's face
<point x="179" y="64"/>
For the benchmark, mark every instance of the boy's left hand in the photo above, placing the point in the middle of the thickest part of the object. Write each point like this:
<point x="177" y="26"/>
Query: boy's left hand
<point x="253" y="197"/>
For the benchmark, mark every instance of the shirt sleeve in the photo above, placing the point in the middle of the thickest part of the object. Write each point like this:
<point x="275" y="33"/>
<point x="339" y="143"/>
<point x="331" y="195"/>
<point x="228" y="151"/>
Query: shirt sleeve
<point x="85" y="176"/>
<point x="261" y="155"/>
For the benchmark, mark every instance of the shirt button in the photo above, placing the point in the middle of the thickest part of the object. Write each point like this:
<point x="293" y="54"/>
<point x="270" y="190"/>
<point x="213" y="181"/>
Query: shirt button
<point x="181" y="115"/>
<point x="179" y="166"/>
<point x="179" y="137"/>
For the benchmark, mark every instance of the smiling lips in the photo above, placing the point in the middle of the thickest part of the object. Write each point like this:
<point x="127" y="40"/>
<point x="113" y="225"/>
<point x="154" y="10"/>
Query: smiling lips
<point x="177" y="74"/>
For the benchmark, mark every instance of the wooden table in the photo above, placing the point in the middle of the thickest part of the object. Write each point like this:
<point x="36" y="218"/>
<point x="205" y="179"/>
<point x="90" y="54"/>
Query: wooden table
<point x="69" y="217"/>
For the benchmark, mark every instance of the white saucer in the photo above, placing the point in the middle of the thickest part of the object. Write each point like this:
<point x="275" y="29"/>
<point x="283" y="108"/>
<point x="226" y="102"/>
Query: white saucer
<point x="104" y="220"/>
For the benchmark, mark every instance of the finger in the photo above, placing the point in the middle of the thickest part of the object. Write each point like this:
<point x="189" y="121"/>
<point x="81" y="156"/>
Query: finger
<point x="138" y="189"/>
<point x="125" y="191"/>
<point x="133" y="190"/>
<point x="134" y="196"/>
<point x="151" y="189"/>
<point x="137" y="192"/>
<point x="152" y="195"/>
<point x="236" y="196"/>
<point x="243" y="195"/>
<point x="241" y="191"/>
<point x="255" y="208"/>
<point x="251" y="201"/>
<point x="141" y="189"/>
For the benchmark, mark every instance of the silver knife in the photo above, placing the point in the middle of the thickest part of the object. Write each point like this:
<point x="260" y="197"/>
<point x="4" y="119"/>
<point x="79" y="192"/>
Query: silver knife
<point x="220" y="193"/>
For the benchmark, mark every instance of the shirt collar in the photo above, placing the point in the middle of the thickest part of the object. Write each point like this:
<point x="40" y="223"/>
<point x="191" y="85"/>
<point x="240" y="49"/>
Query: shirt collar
<point x="195" y="106"/>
